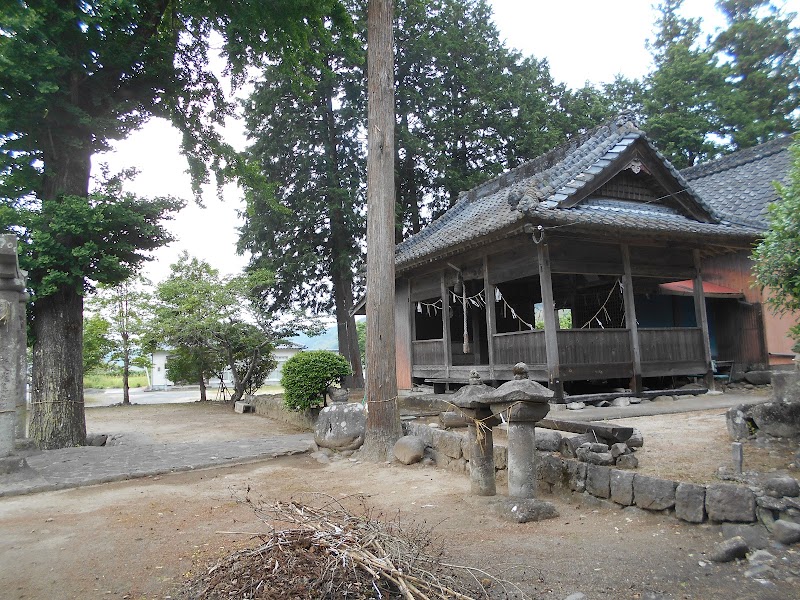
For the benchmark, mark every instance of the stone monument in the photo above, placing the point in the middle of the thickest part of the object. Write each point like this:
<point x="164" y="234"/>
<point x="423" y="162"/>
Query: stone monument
<point x="12" y="345"/>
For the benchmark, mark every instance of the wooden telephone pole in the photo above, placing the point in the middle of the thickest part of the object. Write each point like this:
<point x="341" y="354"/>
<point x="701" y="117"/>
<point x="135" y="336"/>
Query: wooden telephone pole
<point x="383" y="419"/>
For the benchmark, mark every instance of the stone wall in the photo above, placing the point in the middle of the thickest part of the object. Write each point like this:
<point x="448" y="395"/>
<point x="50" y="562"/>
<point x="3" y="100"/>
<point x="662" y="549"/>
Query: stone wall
<point x="271" y="405"/>
<point x="689" y="502"/>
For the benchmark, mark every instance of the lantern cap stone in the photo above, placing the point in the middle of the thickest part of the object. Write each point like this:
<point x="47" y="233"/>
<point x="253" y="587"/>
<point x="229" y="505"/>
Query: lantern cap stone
<point x="471" y="395"/>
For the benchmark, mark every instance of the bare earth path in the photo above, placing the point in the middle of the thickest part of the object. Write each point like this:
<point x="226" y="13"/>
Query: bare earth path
<point x="142" y="538"/>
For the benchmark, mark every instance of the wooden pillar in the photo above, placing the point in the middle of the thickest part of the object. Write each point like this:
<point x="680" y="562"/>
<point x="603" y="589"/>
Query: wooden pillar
<point x="491" y="323"/>
<point x="702" y="318"/>
<point x="630" y="319"/>
<point x="550" y="327"/>
<point x="446" y="326"/>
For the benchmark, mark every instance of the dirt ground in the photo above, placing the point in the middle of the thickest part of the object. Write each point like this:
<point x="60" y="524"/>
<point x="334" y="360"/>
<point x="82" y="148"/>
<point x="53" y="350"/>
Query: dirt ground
<point x="145" y="538"/>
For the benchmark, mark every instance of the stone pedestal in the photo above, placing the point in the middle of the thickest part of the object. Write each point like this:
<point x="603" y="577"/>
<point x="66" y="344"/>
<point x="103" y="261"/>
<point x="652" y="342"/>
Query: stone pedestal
<point x="12" y="341"/>
<point x="786" y="385"/>
<point x="521" y="460"/>
<point x="481" y="462"/>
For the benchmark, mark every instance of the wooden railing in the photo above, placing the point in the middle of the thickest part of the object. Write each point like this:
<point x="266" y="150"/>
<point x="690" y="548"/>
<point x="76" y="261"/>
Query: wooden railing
<point x="524" y="346"/>
<point x="594" y="346"/>
<point x="671" y="344"/>
<point x="427" y="352"/>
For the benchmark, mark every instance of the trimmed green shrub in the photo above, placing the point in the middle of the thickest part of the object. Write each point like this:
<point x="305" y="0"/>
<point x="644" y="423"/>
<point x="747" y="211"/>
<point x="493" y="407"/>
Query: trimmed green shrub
<point x="306" y="375"/>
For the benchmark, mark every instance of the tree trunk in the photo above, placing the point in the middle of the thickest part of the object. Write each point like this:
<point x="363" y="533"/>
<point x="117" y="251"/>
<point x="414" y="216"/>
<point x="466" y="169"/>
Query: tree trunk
<point x="341" y="249"/>
<point x="383" y="420"/>
<point x="126" y="368"/>
<point x="57" y="412"/>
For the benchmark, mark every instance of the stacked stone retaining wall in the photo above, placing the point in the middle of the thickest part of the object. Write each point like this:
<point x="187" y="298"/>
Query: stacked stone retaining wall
<point x="690" y="502"/>
<point x="272" y="406"/>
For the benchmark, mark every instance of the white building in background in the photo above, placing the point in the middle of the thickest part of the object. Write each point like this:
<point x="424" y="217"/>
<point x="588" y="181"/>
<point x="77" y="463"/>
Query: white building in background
<point x="282" y="353"/>
<point x="158" y="372"/>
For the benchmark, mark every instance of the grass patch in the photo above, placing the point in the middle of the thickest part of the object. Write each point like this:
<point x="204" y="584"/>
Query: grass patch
<point x="103" y="381"/>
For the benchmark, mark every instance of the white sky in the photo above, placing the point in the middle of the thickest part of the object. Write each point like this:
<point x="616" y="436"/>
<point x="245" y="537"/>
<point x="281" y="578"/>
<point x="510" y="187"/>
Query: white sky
<point x="583" y="40"/>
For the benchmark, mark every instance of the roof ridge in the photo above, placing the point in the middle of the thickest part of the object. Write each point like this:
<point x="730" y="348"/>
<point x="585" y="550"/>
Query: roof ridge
<point x="738" y="158"/>
<point x="622" y="122"/>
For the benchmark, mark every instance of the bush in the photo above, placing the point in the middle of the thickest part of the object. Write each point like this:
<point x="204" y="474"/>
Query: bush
<point x="307" y="374"/>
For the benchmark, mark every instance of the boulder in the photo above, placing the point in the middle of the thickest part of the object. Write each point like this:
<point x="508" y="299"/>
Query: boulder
<point x="621" y="402"/>
<point x="779" y="419"/>
<point x="727" y="502"/>
<point x="586" y="455"/>
<point x="730" y="549"/>
<point x="634" y="400"/>
<point x="338" y="394"/>
<point x="547" y="440"/>
<point x="575" y="405"/>
<point x="409" y="449"/>
<point x="740" y="423"/>
<point x="758" y="377"/>
<point x="452" y="419"/>
<point x="619" y="449"/>
<point x="341" y="426"/>
<point x="782" y="485"/>
<point x="786" y="532"/>
<point x="636" y="440"/>
<point x="627" y="461"/>
<point x="653" y="493"/>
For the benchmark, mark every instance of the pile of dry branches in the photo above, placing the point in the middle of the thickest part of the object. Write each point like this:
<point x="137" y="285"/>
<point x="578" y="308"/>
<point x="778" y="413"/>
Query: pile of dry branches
<point x="327" y="552"/>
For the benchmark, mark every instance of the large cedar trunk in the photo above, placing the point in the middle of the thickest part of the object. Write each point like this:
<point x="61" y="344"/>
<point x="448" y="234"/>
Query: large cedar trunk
<point x="383" y="420"/>
<point x="346" y="329"/>
<point x="57" y="413"/>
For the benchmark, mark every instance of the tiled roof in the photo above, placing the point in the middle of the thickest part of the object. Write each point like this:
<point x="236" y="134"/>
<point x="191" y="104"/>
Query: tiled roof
<point x="740" y="185"/>
<point x="538" y="191"/>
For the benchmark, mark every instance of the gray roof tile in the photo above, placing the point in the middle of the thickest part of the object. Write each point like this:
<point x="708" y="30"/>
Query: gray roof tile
<point x="534" y="190"/>
<point x="739" y="186"/>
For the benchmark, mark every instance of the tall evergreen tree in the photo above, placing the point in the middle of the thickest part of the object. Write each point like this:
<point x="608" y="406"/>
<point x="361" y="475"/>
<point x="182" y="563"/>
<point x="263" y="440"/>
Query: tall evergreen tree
<point x="761" y="51"/>
<point x="684" y="89"/>
<point x="304" y="216"/>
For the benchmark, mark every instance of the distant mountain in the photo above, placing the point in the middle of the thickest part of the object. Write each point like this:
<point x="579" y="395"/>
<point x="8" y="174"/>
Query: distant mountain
<point x="327" y="340"/>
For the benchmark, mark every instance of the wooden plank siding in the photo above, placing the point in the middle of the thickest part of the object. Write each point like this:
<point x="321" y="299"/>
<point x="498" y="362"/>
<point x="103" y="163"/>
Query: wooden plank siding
<point x="427" y="352"/>
<point x="520" y="346"/>
<point x="595" y="353"/>
<point x="403" y="332"/>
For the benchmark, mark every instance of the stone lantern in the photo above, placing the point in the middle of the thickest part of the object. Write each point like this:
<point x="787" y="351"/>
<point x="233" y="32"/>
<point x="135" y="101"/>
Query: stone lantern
<point x="470" y="400"/>
<point x="523" y="402"/>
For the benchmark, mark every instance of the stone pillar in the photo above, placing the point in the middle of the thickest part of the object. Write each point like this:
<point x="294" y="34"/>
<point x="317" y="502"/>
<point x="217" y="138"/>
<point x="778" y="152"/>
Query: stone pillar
<point x="521" y="459"/>
<point x="481" y="461"/>
<point x="12" y="341"/>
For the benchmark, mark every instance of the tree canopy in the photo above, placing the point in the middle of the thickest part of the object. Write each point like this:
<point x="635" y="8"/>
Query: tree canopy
<point x="777" y="256"/>
<point x="76" y="75"/>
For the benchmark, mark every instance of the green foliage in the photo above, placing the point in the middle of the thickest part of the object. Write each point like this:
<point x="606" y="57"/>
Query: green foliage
<point x="102" y="380"/>
<point x="212" y="324"/>
<point x="306" y="375"/>
<point x="361" y="329"/>
<point x="683" y="91"/>
<point x="96" y="342"/>
<point x="760" y="50"/>
<point x="777" y="256"/>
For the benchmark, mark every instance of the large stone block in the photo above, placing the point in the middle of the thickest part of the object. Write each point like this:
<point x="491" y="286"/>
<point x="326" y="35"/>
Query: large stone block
<point x="598" y="481"/>
<point x="500" y="457"/>
<point x="576" y="473"/>
<point x="786" y="532"/>
<point x="779" y="419"/>
<point x="690" y="502"/>
<point x="740" y="423"/>
<point x="447" y="443"/>
<point x="550" y="468"/>
<point x="653" y="493"/>
<point x="341" y="427"/>
<point x="786" y="386"/>
<point x="727" y="502"/>
<point x="622" y="487"/>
